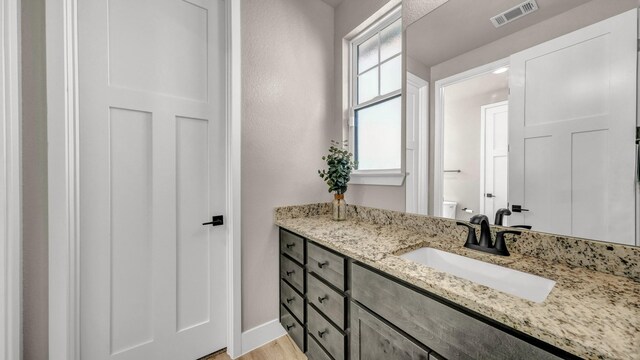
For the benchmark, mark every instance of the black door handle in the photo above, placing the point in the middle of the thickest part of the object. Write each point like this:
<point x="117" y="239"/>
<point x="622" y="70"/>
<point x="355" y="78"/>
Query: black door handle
<point x="518" y="208"/>
<point x="215" y="221"/>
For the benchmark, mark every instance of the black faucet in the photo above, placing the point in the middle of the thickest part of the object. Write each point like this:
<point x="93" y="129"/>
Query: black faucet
<point x="486" y="244"/>
<point x="500" y="214"/>
<point x="485" y="230"/>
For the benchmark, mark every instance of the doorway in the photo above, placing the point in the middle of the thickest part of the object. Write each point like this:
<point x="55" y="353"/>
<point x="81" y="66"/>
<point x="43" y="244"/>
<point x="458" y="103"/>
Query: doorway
<point x="494" y="158"/>
<point x="143" y="151"/>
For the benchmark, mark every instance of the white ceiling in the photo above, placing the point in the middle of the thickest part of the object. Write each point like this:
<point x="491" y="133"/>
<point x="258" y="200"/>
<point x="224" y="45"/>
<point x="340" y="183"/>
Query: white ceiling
<point x="459" y="26"/>
<point x="333" y="3"/>
<point x="489" y="83"/>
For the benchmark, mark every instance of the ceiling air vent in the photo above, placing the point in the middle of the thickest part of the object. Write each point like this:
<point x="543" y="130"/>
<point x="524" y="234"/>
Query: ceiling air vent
<point x="514" y="13"/>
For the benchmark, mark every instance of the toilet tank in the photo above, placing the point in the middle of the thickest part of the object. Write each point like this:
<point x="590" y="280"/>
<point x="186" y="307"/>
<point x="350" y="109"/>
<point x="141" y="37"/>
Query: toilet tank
<point x="449" y="209"/>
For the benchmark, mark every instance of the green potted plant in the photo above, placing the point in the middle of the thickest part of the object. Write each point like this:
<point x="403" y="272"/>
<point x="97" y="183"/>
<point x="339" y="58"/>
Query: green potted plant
<point x="340" y="163"/>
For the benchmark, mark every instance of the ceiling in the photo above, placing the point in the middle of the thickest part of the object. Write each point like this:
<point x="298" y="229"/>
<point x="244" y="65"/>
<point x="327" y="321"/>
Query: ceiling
<point x="459" y="26"/>
<point x="489" y="83"/>
<point x="333" y="3"/>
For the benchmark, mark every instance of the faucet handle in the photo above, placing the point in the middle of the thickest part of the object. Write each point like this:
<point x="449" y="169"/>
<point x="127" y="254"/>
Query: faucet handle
<point x="501" y="245"/>
<point x="471" y="235"/>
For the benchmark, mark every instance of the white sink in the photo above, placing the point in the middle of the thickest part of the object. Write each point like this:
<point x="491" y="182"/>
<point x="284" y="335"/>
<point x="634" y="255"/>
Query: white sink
<point x="514" y="282"/>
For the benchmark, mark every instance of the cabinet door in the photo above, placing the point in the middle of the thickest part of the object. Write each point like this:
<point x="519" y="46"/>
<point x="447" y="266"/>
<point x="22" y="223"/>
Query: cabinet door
<point x="371" y="339"/>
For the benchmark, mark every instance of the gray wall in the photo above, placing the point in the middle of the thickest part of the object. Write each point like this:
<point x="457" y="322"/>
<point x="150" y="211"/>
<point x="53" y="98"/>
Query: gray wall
<point x="349" y="15"/>
<point x="419" y="69"/>
<point x="34" y="183"/>
<point x="462" y="129"/>
<point x="287" y="97"/>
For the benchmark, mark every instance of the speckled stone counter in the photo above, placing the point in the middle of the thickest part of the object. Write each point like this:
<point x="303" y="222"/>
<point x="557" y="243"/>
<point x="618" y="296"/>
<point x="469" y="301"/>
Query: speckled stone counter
<point x="592" y="314"/>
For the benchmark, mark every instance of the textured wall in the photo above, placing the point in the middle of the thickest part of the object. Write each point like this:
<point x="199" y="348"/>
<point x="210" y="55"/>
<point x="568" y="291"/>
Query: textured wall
<point x="287" y="97"/>
<point x="34" y="186"/>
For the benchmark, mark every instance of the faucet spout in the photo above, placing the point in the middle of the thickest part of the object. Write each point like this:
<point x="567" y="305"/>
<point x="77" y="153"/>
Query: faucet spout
<point x="500" y="214"/>
<point x="485" y="230"/>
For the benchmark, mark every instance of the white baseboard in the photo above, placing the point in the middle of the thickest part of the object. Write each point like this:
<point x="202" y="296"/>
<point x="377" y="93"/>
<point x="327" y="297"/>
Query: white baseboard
<point x="261" y="334"/>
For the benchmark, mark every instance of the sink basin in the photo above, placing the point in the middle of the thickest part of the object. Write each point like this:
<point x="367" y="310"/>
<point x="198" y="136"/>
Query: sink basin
<point x="527" y="286"/>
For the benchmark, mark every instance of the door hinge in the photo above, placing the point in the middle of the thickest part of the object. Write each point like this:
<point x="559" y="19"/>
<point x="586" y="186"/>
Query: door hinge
<point x="637" y="134"/>
<point x="638" y="45"/>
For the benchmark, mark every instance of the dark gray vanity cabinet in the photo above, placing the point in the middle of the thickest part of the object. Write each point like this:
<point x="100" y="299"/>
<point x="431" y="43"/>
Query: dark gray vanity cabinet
<point x="313" y="282"/>
<point x="372" y="339"/>
<point x="292" y="287"/>
<point x="431" y="324"/>
<point x="336" y="308"/>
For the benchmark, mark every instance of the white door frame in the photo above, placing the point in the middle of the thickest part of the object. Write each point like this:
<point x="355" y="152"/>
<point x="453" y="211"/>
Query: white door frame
<point x="10" y="177"/>
<point x="483" y="150"/>
<point x="423" y="143"/>
<point x="438" y="166"/>
<point x="62" y="115"/>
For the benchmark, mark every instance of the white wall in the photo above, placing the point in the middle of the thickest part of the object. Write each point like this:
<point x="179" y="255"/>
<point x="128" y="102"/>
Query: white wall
<point x="34" y="183"/>
<point x="287" y="98"/>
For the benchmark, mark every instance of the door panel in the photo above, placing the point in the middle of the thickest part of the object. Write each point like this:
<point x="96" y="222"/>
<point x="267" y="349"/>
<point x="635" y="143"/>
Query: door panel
<point x="152" y="170"/>
<point x="192" y="203"/>
<point x="131" y="238"/>
<point x="572" y="132"/>
<point x="178" y="50"/>
<point x="495" y="150"/>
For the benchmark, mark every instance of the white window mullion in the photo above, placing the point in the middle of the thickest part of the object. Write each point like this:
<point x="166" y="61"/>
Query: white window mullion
<point x="368" y="110"/>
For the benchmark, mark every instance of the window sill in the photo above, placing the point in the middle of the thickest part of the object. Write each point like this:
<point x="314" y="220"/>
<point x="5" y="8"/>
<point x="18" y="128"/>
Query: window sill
<point x="377" y="178"/>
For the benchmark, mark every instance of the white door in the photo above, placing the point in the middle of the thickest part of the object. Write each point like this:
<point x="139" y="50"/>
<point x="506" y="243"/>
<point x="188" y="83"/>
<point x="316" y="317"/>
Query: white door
<point x="572" y="132"/>
<point x="152" y="170"/>
<point x="416" y="145"/>
<point x="494" y="167"/>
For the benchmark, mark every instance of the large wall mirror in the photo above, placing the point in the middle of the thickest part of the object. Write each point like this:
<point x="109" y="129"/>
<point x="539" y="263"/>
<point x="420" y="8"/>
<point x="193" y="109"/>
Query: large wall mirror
<point x="532" y="113"/>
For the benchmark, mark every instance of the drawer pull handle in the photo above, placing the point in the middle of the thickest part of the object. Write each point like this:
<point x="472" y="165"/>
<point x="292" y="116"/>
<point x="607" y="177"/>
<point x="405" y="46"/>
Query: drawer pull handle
<point x="289" y="246"/>
<point x="289" y="327"/>
<point x="290" y="300"/>
<point x="321" y="299"/>
<point x="321" y="333"/>
<point x="291" y="272"/>
<point x="323" y="264"/>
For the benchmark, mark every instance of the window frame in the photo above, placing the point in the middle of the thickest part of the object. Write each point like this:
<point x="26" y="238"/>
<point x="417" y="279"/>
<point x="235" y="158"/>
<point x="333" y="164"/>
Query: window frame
<point x="374" y="176"/>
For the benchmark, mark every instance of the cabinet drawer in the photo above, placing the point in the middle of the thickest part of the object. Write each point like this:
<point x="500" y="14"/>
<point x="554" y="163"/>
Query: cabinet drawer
<point x="327" y="300"/>
<point x="314" y="351"/>
<point x="447" y="331"/>
<point x="292" y="272"/>
<point x="327" y="265"/>
<point x="292" y="300"/>
<point x="293" y="327"/>
<point x="325" y="334"/>
<point x="372" y="339"/>
<point x="292" y="245"/>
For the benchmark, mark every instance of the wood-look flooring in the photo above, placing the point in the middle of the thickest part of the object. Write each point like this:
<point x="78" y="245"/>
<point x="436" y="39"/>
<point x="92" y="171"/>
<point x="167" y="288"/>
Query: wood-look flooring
<point x="282" y="348"/>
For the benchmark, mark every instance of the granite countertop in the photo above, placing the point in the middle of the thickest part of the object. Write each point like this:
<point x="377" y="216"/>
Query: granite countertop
<point x="588" y="313"/>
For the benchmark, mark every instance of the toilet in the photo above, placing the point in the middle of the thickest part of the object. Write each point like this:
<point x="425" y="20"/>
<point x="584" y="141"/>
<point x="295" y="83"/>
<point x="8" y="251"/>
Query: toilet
<point x="449" y="209"/>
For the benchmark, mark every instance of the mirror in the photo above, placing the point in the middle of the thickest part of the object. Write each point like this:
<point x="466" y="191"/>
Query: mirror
<point x="532" y="113"/>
